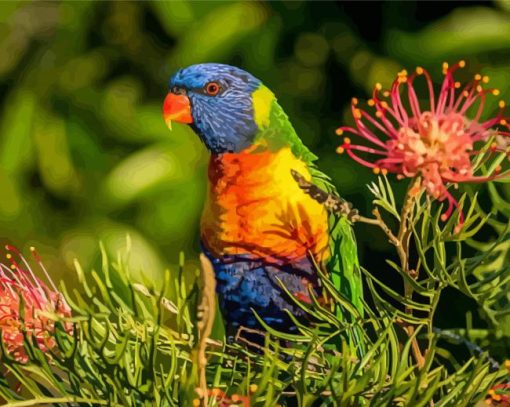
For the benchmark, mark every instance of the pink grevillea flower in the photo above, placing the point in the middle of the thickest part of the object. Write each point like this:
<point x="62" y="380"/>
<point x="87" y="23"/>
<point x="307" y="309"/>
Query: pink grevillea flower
<point x="435" y="140"/>
<point x="26" y="303"/>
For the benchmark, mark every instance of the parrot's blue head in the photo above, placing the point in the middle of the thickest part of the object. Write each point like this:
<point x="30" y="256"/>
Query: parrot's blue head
<point x="216" y="101"/>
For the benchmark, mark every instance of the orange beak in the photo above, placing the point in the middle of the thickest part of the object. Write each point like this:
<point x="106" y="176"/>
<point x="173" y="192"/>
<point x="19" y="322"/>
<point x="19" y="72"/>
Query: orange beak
<point x="176" y="108"/>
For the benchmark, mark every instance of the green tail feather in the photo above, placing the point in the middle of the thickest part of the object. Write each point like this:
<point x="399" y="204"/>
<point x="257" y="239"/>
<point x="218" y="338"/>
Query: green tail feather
<point x="343" y="265"/>
<point x="344" y="270"/>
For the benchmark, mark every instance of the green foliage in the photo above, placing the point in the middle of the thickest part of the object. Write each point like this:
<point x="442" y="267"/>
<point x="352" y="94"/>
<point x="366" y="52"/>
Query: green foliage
<point x="82" y="88"/>
<point x="85" y="156"/>
<point x="131" y="345"/>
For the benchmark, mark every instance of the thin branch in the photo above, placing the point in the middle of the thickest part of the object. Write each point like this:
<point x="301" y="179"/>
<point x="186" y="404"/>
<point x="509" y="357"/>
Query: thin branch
<point x="403" y="237"/>
<point x="380" y="222"/>
<point x="205" y="315"/>
<point x="332" y="203"/>
<point x="401" y="243"/>
<point x="404" y="232"/>
<point x="366" y="220"/>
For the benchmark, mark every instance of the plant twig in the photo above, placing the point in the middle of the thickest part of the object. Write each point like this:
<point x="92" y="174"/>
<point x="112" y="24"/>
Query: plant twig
<point x="332" y="203"/>
<point x="404" y="232"/>
<point x="240" y="338"/>
<point x="404" y="235"/>
<point x="205" y="316"/>
<point x="385" y="228"/>
<point x="401" y="243"/>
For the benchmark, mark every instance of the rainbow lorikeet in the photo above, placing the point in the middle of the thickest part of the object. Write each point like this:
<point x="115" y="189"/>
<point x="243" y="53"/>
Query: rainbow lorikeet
<point x="259" y="228"/>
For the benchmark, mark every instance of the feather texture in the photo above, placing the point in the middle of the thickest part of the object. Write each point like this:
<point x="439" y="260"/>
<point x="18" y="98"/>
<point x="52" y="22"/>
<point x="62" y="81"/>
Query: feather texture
<point x="259" y="228"/>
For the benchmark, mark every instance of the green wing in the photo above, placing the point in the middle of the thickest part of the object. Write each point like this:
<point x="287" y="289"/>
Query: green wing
<point x="343" y="265"/>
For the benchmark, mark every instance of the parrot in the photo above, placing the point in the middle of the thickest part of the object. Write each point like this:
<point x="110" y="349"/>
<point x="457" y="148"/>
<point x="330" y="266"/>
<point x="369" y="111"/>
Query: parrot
<point x="263" y="234"/>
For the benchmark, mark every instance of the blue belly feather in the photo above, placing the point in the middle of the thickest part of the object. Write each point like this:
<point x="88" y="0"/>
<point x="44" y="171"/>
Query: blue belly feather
<point x="246" y="285"/>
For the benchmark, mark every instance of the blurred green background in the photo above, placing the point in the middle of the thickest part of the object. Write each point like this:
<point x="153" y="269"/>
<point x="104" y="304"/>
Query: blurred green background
<point x="85" y="155"/>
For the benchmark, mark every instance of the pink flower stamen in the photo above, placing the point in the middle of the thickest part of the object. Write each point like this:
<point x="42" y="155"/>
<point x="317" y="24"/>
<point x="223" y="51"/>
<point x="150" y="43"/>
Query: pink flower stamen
<point x="19" y="281"/>
<point x="436" y="142"/>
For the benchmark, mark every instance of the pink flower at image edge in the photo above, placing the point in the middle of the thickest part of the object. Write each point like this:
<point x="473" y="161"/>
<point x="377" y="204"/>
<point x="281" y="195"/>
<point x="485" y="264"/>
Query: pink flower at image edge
<point x="18" y="280"/>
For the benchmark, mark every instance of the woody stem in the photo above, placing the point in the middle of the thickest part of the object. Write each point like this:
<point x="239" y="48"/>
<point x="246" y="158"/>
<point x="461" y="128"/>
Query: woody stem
<point x="401" y="243"/>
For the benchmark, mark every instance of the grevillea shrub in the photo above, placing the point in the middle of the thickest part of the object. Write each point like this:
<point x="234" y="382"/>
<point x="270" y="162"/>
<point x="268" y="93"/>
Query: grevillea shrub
<point x="116" y="342"/>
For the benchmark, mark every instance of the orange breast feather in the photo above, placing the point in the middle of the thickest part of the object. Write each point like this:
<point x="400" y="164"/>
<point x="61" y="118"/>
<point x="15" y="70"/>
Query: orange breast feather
<point x="254" y="206"/>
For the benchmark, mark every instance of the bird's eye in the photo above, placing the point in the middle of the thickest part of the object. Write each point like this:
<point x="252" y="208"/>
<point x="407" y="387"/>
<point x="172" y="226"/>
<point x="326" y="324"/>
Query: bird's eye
<point x="212" y="88"/>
